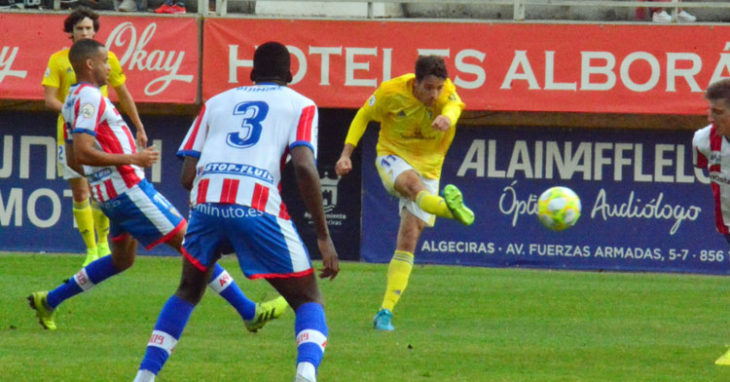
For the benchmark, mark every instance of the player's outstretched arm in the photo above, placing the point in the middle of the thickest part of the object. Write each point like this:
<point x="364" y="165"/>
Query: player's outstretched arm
<point x="441" y="123"/>
<point x="354" y="133"/>
<point x="50" y="100"/>
<point x="187" y="175"/>
<point x="146" y="157"/>
<point x="86" y="153"/>
<point x="344" y="164"/>
<point x="310" y="190"/>
<point x="71" y="158"/>
<point x="130" y="108"/>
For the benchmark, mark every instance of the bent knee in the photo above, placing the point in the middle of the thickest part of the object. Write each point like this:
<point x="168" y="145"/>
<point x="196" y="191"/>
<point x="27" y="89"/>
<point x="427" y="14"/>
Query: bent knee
<point x="299" y="292"/>
<point x="409" y="184"/>
<point x="124" y="263"/>
<point x="190" y="294"/>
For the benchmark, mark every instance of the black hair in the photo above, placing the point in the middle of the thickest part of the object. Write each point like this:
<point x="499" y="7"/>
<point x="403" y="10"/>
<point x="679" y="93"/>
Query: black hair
<point x="81" y="51"/>
<point x="79" y="14"/>
<point x="271" y="62"/>
<point x="719" y="90"/>
<point x="430" y="66"/>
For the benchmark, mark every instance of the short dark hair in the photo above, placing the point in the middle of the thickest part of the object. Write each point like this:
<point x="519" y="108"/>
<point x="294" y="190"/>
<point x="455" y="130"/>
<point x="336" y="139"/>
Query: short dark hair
<point x="719" y="90"/>
<point x="430" y="66"/>
<point x="79" y="14"/>
<point x="271" y="62"/>
<point x="81" y="51"/>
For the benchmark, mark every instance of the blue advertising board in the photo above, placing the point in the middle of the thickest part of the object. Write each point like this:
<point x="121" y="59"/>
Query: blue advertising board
<point x="644" y="206"/>
<point x="340" y="196"/>
<point x="36" y="205"/>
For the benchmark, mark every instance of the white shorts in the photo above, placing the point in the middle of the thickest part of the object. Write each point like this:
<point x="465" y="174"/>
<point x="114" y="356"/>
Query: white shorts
<point x="143" y="213"/>
<point x="389" y="168"/>
<point x="64" y="170"/>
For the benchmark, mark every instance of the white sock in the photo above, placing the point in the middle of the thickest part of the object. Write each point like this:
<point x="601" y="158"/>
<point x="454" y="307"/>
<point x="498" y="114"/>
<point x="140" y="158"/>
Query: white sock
<point x="306" y="372"/>
<point x="144" y="376"/>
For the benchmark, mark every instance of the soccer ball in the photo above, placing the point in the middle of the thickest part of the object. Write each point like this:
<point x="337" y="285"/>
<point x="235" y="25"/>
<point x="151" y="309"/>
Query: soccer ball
<point x="558" y="208"/>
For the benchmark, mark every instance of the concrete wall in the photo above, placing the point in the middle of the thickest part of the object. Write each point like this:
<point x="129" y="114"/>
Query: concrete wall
<point x="480" y="10"/>
<point x="325" y="9"/>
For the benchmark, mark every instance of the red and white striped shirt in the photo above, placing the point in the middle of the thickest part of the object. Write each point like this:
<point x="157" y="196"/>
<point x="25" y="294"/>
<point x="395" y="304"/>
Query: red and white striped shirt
<point x="712" y="151"/>
<point x="242" y="138"/>
<point x="87" y="111"/>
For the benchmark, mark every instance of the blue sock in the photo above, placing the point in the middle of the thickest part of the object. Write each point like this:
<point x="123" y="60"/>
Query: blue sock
<point x="168" y="329"/>
<point x="83" y="280"/>
<point x="311" y="333"/>
<point x="224" y="285"/>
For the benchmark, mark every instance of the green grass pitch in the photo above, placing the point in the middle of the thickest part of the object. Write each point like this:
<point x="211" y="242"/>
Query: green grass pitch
<point x="452" y="324"/>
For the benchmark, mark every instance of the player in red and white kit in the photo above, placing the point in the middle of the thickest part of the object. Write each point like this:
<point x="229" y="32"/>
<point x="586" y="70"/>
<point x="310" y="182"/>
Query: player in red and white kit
<point x="104" y="145"/>
<point x="234" y="153"/>
<point x="712" y="151"/>
<point x="711" y="146"/>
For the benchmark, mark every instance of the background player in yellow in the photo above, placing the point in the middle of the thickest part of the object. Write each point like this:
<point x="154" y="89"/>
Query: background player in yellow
<point x="417" y="113"/>
<point x="59" y="76"/>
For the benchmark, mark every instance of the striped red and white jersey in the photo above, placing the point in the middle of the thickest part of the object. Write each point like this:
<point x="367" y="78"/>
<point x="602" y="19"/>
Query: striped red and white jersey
<point x="712" y="151"/>
<point x="87" y="111"/>
<point x="242" y="138"/>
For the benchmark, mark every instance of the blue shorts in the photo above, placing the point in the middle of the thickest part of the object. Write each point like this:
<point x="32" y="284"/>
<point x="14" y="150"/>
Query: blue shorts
<point x="266" y="246"/>
<point x="143" y="213"/>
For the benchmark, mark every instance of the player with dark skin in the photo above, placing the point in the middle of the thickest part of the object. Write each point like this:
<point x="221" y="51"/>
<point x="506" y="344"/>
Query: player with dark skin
<point x="265" y="241"/>
<point x="136" y="210"/>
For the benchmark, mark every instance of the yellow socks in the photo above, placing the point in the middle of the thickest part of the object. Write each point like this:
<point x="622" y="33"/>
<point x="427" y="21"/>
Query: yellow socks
<point x="399" y="271"/>
<point x="433" y="204"/>
<point x="85" y="222"/>
<point x="101" y="223"/>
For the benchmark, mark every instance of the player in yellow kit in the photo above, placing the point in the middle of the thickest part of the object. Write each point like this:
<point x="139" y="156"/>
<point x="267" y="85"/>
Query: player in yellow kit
<point x="417" y="115"/>
<point x="59" y="76"/>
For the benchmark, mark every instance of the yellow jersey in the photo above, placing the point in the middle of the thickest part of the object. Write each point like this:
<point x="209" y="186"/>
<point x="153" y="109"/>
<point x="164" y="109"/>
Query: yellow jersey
<point x="59" y="74"/>
<point x="405" y="124"/>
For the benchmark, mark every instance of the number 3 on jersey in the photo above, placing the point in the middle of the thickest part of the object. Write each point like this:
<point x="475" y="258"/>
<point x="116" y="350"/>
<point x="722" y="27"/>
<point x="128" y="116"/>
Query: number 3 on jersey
<point x="253" y="113"/>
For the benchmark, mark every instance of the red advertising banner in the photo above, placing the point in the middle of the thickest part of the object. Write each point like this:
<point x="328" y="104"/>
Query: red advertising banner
<point x="160" y="56"/>
<point x="502" y="67"/>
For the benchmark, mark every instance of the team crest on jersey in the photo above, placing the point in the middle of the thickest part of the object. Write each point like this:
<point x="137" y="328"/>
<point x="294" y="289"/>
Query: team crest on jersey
<point x="87" y="111"/>
<point x="371" y="100"/>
